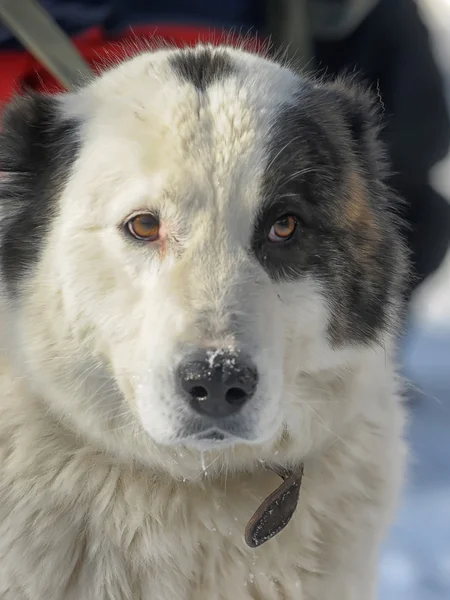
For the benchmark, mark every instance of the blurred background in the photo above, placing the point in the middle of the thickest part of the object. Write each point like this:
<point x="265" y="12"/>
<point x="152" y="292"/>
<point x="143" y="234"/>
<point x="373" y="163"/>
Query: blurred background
<point x="416" y="560"/>
<point x="402" y="48"/>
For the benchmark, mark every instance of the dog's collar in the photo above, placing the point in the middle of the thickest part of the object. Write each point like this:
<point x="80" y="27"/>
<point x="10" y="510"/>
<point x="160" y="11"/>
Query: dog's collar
<point x="277" y="509"/>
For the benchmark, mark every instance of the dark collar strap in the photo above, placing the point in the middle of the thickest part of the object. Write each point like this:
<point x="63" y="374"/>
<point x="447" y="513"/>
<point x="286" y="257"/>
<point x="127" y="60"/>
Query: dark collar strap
<point x="277" y="509"/>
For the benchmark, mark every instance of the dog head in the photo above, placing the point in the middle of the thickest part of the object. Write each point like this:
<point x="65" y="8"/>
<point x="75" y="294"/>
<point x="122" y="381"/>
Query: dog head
<point x="186" y="237"/>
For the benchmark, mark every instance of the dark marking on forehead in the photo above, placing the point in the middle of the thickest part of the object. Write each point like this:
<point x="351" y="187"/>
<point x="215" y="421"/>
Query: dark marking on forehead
<point x="329" y="172"/>
<point x="201" y="67"/>
<point x="37" y="150"/>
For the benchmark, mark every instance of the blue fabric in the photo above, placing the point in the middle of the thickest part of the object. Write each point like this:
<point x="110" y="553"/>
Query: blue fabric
<point x="231" y="12"/>
<point x="75" y="16"/>
<point x="72" y="15"/>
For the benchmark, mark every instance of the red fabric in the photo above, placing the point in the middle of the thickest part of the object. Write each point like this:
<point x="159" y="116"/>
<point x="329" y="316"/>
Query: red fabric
<point x="19" y="69"/>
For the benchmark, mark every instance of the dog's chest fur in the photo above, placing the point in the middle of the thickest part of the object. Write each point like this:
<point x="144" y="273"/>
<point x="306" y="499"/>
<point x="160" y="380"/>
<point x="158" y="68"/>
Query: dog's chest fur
<point x="76" y="526"/>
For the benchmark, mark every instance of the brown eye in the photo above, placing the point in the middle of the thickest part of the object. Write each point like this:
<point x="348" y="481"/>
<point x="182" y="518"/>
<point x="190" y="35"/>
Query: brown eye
<point x="144" y="227"/>
<point x="283" y="229"/>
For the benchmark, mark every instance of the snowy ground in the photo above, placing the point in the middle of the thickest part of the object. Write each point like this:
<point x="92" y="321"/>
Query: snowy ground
<point x="416" y="560"/>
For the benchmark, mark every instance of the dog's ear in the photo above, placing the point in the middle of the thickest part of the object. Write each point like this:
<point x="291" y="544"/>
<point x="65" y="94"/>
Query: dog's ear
<point x="38" y="145"/>
<point x="362" y="112"/>
<point x="31" y="125"/>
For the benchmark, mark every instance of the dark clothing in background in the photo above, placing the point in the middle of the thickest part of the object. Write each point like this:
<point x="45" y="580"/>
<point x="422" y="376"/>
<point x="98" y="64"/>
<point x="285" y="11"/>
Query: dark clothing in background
<point x="384" y="40"/>
<point x="392" y="47"/>
<point x="115" y="15"/>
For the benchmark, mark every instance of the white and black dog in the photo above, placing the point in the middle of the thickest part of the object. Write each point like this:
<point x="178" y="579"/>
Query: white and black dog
<point x="201" y="289"/>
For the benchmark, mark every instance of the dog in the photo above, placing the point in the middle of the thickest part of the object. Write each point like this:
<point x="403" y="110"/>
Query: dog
<point x="202" y="278"/>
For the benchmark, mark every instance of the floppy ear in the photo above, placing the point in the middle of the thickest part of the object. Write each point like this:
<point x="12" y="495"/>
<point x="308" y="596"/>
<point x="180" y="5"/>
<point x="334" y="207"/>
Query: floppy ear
<point x="362" y="113"/>
<point x="37" y="148"/>
<point x="30" y="125"/>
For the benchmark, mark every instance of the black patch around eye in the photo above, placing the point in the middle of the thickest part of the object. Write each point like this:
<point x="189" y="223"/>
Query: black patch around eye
<point x="314" y="150"/>
<point x="305" y="172"/>
<point x="287" y="259"/>
<point x="201" y="67"/>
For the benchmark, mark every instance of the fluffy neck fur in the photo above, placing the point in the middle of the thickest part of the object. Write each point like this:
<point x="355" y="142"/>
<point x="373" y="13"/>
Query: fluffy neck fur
<point x="120" y="529"/>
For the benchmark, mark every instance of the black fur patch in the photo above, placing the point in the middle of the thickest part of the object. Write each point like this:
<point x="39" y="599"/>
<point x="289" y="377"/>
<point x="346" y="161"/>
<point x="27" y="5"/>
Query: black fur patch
<point x="37" y="150"/>
<point x="326" y="167"/>
<point x="201" y="67"/>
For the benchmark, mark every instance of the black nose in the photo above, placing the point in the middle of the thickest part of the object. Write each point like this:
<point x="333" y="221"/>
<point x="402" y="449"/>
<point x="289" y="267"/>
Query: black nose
<point x="216" y="383"/>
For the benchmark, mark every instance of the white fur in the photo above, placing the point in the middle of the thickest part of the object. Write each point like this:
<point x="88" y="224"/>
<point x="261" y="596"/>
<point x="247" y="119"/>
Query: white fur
<point x="99" y="498"/>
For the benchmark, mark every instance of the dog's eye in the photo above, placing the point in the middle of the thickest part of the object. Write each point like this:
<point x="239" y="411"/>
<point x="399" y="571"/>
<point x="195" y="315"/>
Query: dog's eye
<point x="143" y="227"/>
<point x="283" y="229"/>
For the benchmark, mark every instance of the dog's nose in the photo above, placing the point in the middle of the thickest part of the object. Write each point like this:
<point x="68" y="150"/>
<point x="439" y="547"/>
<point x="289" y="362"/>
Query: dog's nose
<point x="217" y="384"/>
